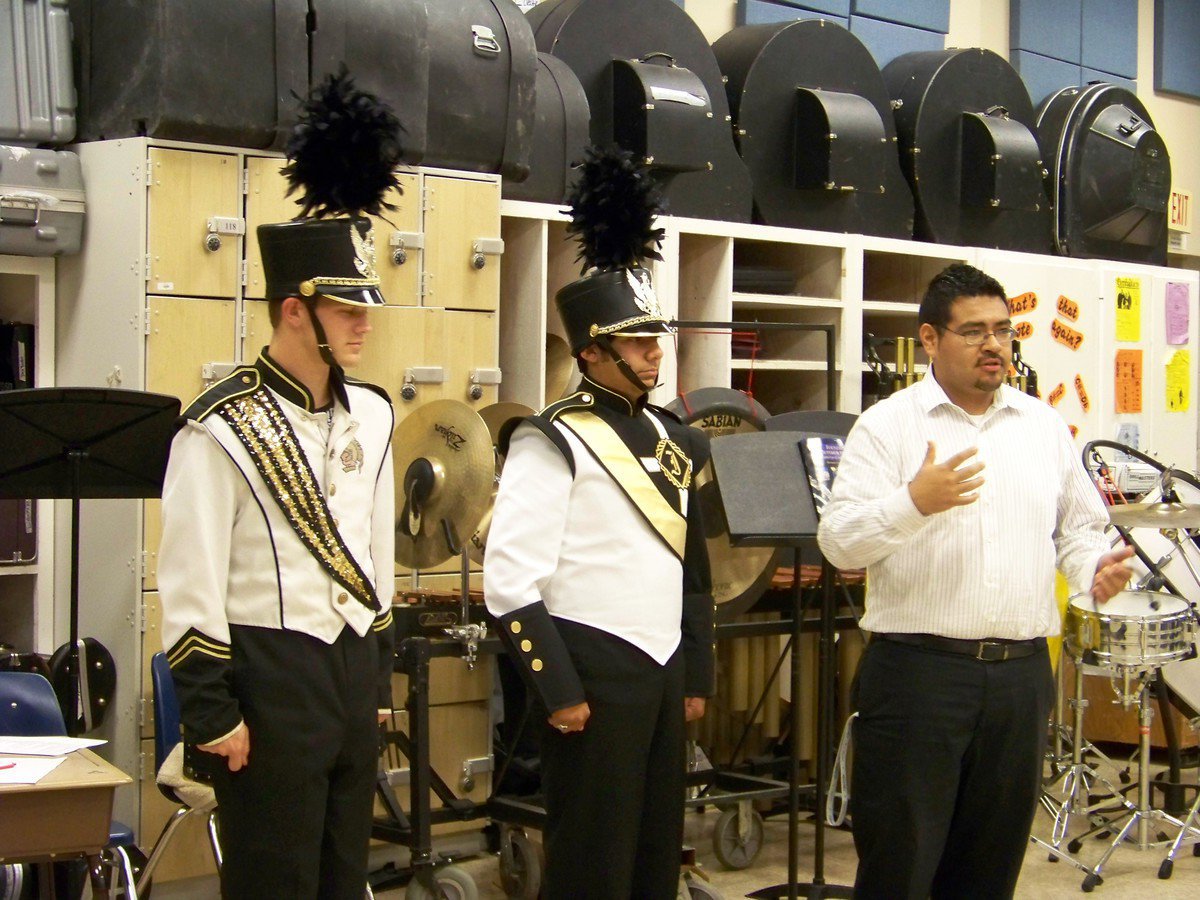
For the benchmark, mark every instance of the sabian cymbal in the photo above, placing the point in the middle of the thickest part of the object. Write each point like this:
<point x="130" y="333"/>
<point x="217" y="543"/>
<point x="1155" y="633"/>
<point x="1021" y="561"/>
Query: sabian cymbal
<point x="739" y="574"/>
<point x="444" y="475"/>
<point x="494" y="416"/>
<point x="1154" y="515"/>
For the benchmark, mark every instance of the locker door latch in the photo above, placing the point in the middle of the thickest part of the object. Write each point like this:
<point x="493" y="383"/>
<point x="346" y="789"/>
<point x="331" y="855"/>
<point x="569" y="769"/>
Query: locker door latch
<point x="403" y="241"/>
<point x="482" y="248"/>
<point x="420" y="375"/>
<point x="215" y="371"/>
<point x="219" y="225"/>
<point x="479" y="378"/>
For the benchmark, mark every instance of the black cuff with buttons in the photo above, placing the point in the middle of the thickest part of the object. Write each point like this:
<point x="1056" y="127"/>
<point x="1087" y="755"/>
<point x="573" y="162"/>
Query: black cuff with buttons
<point x="533" y="641"/>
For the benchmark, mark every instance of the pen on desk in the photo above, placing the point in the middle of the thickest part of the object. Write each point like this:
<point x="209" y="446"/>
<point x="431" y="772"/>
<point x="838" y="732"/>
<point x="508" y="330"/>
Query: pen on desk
<point x="8" y="765"/>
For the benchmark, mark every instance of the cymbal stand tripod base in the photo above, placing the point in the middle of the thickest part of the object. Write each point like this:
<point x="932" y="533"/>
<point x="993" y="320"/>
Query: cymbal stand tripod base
<point x="1189" y="832"/>
<point x="1077" y="780"/>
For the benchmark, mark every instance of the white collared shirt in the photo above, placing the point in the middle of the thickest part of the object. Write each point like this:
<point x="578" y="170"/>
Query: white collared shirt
<point x="976" y="571"/>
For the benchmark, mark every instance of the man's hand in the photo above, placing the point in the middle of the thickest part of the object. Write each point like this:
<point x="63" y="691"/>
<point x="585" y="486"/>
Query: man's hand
<point x="938" y="487"/>
<point x="573" y="718"/>
<point x="1111" y="574"/>
<point x="235" y="748"/>
<point x="693" y="708"/>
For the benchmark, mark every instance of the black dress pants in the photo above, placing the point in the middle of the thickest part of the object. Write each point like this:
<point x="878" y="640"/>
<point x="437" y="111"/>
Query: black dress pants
<point x="296" y="821"/>
<point x="948" y="754"/>
<point x="614" y="791"/>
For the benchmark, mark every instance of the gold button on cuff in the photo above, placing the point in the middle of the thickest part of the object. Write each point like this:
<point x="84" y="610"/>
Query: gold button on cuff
<point x="536" y="665"/>
<point x="526" y="646"/>
<point x="342" y="597"/>
<point x="515" y="627"/>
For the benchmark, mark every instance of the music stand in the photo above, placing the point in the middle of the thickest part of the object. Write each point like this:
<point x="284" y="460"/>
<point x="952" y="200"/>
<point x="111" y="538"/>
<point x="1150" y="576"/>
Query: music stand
<point x="77" y="443"/>
<point x="768" y="503"/>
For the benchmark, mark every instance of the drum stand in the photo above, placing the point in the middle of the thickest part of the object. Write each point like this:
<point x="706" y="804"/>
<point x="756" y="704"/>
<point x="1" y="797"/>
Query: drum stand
<point x="1077" y="779"/>
<point x="1135" y="823"/>
<point x="1189" y="832"/>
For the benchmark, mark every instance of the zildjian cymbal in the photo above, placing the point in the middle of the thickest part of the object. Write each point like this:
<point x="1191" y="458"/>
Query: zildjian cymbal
<point x="494" y="417"/>
<point x="561" y="367"/>
<point x="444" y="473"/>
<point x="739" y="574"/>
<point x="1154" y="515"/>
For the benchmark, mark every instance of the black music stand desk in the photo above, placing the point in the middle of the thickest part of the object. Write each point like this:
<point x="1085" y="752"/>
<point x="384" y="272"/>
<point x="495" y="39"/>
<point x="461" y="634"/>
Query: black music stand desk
<point x="76" y="443"/>
<point x="768" y="503"/>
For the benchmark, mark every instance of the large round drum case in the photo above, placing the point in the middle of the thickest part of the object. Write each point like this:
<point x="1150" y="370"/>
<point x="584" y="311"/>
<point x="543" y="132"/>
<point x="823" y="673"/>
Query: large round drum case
<point x="589" y="35"/>
<point x="813" y="122"/>
<point x="967" y="146"/>
<point x="1108" y="174"/>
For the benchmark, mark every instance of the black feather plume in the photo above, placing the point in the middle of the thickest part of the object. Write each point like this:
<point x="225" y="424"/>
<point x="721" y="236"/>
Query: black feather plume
<point x="343" y="151"/>
<point x="613" y="204"/>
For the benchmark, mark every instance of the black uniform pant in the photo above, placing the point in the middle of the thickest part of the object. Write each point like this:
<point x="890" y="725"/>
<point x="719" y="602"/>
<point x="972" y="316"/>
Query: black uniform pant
<point x="614" y="792"/>
<point x="296" y="821"/>
<point x="947" y="769"/>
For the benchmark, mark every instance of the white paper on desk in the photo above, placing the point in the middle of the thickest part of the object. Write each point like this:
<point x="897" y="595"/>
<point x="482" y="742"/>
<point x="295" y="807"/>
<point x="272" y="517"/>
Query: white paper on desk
<point x="45" y="746"/>
<point x="27" y="769"/>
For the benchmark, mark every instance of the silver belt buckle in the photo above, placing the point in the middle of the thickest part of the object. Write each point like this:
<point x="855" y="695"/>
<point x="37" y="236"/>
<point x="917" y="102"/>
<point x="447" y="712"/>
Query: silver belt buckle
<point x="984" y="656"/>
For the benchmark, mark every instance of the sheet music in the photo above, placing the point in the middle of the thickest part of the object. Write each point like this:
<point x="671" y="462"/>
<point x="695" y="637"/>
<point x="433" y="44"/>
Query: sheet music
<point x="45" y="746"/>
<point x="27" y="769"/>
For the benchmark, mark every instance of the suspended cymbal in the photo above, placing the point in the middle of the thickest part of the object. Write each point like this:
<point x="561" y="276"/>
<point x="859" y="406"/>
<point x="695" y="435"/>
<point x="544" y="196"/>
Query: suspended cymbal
<point x="494" y="416"/>
<point x="1154" y="515"/>
<point x="560" y="367"/>
<point x="444" y="474"/>
<point x="739" y="574"/>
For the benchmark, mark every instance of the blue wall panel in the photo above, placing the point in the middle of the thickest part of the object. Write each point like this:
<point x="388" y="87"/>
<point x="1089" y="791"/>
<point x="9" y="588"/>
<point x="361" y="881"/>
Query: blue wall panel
<point x="1047" y="27"/>
<point x="1109" y="40"/>
<point x="931" y="15"/>
<point x="1097" y="75"/>
<point x="761" y="12"/>
<point x="887" y="40"/>
<point x="1176" y="39"/>
<point x="1043" y="75"/>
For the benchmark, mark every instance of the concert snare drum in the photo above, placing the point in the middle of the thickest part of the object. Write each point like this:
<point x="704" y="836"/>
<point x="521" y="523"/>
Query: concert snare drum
<point x="1133" y="630"/>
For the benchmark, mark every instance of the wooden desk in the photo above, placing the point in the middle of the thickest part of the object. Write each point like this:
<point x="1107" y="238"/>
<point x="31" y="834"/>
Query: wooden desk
<point x="67" y="813"/>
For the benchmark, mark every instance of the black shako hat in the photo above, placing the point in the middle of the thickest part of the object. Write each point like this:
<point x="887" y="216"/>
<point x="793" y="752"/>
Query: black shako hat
<point x="332" y="258"/>
<point x="614" y="202"/>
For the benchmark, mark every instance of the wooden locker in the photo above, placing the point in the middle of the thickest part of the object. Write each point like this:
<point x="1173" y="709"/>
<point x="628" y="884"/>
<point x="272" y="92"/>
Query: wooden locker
<point x="398" y="341"/>
<point x="464" y="342"/>
<point x="188" y="191"/>
<point x="450" y="681"/>
<point x="462" y="229"/>
<point x="256" y="329"/>
<point x="266" y="203"/>
<point x="184" y="334"/>
<point x="189" y="854"/>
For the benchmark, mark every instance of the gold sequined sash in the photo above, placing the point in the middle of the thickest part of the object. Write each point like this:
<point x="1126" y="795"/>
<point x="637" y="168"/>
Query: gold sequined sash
<point x="267" y="435"/>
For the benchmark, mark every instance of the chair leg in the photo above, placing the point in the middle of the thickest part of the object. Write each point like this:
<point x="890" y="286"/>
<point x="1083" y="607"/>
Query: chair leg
<point x="126" y="866"/>
<point x="214" y="840"/>
<point x="160" y="846"/>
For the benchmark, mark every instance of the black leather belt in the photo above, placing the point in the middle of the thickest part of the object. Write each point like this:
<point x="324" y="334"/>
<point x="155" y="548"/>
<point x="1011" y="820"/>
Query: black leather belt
<point x="987" y="650"/>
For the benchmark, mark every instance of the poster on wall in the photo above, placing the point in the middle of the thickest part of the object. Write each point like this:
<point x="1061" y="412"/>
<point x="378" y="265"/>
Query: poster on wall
<point x="1178" y="381"/>
<point x="1128" y="381"/>
<point x="1179" y="298"/>
<point x="1129" y="309"/>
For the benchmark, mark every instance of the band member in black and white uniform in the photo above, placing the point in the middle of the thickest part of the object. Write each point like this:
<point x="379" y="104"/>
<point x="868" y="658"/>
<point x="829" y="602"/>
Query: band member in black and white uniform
<point x="277" y="562"/>
<point x="597" y="570"/>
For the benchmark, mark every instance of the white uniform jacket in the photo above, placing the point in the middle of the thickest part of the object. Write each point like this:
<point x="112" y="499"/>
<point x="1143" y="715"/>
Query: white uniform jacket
<point x="233" y="554"/>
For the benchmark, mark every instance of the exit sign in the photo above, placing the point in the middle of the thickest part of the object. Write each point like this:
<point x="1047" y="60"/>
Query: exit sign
<point x="1181" y="211"/>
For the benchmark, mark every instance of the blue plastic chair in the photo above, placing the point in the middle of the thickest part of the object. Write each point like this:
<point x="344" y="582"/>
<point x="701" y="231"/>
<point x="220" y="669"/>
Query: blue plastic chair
<point x="167" y="735"/>
<point x="29" y="708"/>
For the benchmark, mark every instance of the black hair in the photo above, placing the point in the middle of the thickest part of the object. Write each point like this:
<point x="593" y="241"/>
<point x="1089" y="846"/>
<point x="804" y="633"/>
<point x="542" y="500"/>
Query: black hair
<point x="958" y="280"/>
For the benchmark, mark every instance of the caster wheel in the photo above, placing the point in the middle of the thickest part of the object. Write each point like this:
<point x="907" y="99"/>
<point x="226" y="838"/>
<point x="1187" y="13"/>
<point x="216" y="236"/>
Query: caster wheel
<point x="520" y="866"/>
<point x="1164" y="870"/>
<point x="1073" y="846"/>
<point x="1050" y="857"/>
<point x="735" y="850"/>
<point x="1089" y="883"/>
<point x="452" y="884"/>
<point x="1124" y="776"/>
<point x="1195" y="849"/>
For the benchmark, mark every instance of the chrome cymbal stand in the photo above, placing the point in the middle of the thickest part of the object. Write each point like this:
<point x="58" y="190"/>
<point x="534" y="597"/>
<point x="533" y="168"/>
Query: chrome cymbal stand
<point x="1135" y="823"/>
<point x="1078" y="781"/>
<point x="1190" y="830"/>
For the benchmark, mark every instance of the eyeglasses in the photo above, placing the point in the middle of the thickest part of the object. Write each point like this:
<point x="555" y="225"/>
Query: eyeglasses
<point x="973" y="337"/>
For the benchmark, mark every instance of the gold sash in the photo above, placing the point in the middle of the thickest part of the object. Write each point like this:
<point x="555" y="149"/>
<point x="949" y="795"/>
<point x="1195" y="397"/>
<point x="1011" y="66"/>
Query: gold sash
<point x="267" y="435"/>
<point x="626" y="470"/>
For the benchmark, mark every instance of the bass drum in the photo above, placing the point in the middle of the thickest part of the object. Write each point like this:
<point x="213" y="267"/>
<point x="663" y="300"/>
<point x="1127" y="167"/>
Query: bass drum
<point x="739" y="574"/>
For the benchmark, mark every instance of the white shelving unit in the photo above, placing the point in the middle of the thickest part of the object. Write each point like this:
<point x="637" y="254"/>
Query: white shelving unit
<point x="28" y="613"/>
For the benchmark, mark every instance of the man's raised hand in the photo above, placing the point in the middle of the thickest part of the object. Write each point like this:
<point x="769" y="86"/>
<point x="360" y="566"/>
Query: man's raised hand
<point x="938" y="487"/>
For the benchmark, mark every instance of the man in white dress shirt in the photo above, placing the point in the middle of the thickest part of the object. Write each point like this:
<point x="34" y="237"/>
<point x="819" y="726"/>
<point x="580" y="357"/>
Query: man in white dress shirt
<point x="961" y="496"/>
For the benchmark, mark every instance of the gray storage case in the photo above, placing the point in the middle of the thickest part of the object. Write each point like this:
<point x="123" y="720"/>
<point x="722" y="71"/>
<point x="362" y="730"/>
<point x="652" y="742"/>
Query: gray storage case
<point x="37" y="87"/>
<point x="41" y="202"/>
